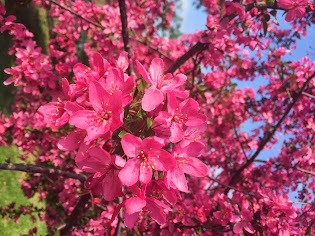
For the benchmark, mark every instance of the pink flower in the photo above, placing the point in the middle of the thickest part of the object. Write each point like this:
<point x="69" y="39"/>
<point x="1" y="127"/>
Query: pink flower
<point x="98" y="68"/>
<point x="160" y="84"/>
<point x="72" y="141"/>
<point x="186" y="163"/>
<point x="146" y="155"/>
<point x="123" y="61"/>
<point x="242" y="221"/>
<point x="116" y="82"/>
<point x="224" y="215"/>
<point x="16" y="75"/>
<point x="106" y="116"/>
<point x="235" y="7"/>
<point x="106" y="168"/>
<point x="296" y="8"/>
<point x="158" y="189"/>
<point x="178" y="115"/>
<point x="141" y="205"/>
<point x="54" y="113"/>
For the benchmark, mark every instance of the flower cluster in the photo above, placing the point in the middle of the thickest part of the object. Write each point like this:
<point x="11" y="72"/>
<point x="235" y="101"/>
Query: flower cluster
<point x="96" y="106"/>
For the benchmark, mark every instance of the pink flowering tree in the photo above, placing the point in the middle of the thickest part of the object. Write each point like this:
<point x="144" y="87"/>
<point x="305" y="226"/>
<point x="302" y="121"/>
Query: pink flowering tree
<point x="128" y="132"/>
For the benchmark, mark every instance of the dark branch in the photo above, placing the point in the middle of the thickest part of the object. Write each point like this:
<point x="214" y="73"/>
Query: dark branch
<point x="73" y="219"/>
<point x="44" y="170"/>
<point x="124" y="30"/>
<point x="181" y="60"/>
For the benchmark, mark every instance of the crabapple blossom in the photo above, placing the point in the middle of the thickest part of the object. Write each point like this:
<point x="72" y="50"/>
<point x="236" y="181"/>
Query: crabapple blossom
<point x="296" y="8"/>
<point x="186" y="163"/>
<point x="144" y="155"/>
<point x="106" y="116"/>
<point x="242" y="221"/>
<point x="160" y="84"/>
<point x="180" y="115"/>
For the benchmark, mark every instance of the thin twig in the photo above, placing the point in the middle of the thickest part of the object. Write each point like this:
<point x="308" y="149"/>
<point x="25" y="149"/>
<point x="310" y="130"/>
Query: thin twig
<point x="309" y="95"/>
<point x="238" y="139"/>
<point x="76" y="14"/>
<point x="292" y="167"/>
<point x="44" y="170"/>
<point x="154" y="49"/>
<point x="230" y="187"/>
<point x="302" y="203"/>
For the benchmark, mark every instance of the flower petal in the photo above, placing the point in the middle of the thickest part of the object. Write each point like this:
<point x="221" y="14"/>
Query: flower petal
<point x="145" y="173"/>
<point x="156" y="70"/>
<point x="130" y="220"/>
<point x="131" y="145"/>
<point x="178" y="178"/>
<point x="134" y="204"/>
<point x="72" y="141"/>
<point x="82" y="119"/>
<point x="129" y="175"/>
<point x="152" y="99"/>
<point x="111" y="186"/>
<point x="144" y="73"/>
<point x="157" y="213"/>
<point x="195" y="168"/>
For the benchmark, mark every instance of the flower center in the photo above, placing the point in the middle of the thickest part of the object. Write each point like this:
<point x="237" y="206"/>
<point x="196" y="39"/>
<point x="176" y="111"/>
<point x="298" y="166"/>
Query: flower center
<point x="164" y="80"/>
<point x="146" y="160"/>
<point x="179" y="117"/>
<point x="102" y="116"/>
<point x="180" y="161"/>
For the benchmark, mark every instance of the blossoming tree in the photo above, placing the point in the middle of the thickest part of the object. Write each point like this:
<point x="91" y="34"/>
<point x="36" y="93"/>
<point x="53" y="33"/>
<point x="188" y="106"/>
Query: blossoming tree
<point x="143" y="134"/>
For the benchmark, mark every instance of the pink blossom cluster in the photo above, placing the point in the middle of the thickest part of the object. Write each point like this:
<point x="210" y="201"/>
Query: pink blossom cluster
<point x="96" y="106"/>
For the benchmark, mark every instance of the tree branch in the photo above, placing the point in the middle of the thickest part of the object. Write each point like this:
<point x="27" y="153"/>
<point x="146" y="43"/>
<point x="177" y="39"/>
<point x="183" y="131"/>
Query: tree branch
<point x="308" y="95"/>
<point x="124" y="31"/>
<point x="181" y="60"/>
<point x="73" y="219"/>
<point x="268" y="135"/>
<point x="44" y="170"/>
<point x="120" y="220"/>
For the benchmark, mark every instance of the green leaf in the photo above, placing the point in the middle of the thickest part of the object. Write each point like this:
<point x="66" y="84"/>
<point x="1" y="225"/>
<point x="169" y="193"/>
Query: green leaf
<point x="122" y="133"/>
<point x="140" y="86"/>
<point x="202" y="88"/>
<point x="139" y="114"/>
<point x="149" y="122"/>
<point x="271" y="2"/>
